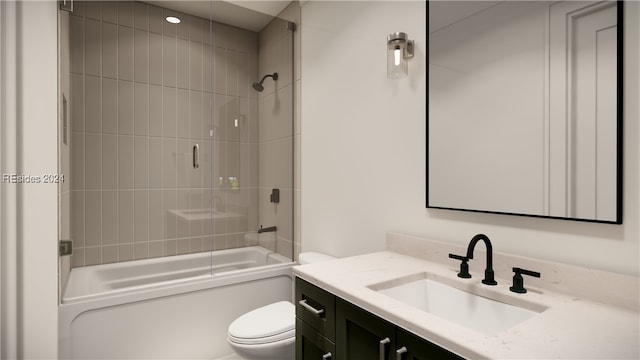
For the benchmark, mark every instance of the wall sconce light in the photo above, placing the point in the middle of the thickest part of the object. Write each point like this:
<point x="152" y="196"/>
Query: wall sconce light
<point x="399" y="50"/>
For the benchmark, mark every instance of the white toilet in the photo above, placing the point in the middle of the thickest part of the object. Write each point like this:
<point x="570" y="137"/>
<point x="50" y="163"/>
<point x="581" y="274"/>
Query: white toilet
<point x="269" y="332"/>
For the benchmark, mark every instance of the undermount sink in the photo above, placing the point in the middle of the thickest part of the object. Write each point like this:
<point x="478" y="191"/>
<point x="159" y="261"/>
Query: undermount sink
<point x="473" y="311"/>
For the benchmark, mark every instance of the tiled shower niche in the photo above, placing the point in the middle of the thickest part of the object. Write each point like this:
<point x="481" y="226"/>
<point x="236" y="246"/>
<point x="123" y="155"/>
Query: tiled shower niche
<point x="144" y="92"/>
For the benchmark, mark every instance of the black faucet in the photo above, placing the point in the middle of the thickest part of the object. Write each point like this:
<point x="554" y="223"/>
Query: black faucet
<point x="488" y="272"/>
<point x="267" y="229"/>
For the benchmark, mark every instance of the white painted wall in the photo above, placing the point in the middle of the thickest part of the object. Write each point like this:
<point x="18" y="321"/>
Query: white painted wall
<point x="34" y="95"/>
<point x="363" y="148"/>
<point x="8" y="193"/>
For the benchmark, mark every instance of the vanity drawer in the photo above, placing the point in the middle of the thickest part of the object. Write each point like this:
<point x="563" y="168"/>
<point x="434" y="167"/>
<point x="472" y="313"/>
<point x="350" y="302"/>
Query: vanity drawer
<point x="316" y="307"/>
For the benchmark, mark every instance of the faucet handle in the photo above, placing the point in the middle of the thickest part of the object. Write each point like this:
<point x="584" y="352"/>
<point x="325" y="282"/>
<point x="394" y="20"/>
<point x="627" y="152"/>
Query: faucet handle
<point x="464" y="265"/>
<point x="518" y="281"/>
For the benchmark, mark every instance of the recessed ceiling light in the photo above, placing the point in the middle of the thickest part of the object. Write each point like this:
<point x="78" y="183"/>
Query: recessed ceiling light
<point x="173" y="19"/>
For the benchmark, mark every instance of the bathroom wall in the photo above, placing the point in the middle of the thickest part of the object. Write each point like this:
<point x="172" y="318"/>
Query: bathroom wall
<point x="144" y="93"/>
<point x="29" y="214"/>
<point x="276" y="129"/>
<point x="364" y="148"/>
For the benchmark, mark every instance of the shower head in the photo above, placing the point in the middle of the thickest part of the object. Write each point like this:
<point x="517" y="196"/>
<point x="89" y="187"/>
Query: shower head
<point x="258" y="85"/>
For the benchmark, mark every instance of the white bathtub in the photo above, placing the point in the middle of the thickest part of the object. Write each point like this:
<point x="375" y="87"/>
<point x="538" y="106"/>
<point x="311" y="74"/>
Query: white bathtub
<point x="167" y="308"/>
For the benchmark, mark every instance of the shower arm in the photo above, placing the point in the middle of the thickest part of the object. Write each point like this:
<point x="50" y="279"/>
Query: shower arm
<point x="274" y="76"/>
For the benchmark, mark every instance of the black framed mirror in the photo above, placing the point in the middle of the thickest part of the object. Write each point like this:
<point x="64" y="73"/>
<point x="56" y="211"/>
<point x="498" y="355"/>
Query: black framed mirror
<point x="525" y="108"/>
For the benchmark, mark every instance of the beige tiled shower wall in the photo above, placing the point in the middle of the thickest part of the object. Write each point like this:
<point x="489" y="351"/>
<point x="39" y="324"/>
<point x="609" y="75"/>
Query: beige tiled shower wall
<point x="144" y="92"/>
<point x="276" y="106"/>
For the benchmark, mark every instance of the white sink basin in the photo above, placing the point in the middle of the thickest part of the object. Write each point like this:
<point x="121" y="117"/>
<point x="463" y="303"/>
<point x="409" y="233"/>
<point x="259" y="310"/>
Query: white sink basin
<point x="473" y="311"/>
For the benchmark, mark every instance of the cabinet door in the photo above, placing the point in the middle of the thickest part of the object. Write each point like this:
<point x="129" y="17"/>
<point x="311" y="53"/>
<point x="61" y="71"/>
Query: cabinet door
<point x="361" y="335"/>
<point x="417" y="348"/>
<point x="311" y="345"/>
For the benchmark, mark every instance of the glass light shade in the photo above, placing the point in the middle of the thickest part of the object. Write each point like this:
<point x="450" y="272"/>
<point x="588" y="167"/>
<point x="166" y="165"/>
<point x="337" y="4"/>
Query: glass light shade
<point x="399" y="51"/>
<point x="397" y="66"/>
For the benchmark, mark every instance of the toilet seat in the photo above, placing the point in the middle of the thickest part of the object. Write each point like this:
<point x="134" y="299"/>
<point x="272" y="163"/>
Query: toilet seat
<point x="268" y="324"/>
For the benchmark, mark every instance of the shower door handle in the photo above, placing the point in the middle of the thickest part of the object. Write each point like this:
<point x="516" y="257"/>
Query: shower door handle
<point x="196" y="156"/>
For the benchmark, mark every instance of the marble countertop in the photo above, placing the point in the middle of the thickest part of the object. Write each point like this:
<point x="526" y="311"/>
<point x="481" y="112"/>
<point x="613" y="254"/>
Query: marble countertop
<point x="570" y="327"/>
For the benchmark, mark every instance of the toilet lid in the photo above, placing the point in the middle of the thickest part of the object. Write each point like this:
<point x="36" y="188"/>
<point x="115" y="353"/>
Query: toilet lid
<point x="266" y="324"/>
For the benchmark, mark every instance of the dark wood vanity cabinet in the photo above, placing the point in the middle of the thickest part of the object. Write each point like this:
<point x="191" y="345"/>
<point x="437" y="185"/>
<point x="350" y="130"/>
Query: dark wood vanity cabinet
<point x="334" y="329"/>
<point x="362" y="336"/>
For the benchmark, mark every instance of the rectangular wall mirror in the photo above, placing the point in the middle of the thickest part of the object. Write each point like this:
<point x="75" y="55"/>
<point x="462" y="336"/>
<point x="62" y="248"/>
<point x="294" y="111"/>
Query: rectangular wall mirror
<point x="525" y="108"/>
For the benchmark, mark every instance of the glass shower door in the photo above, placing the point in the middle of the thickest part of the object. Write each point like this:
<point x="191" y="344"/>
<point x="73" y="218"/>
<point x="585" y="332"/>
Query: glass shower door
<point x="251" y="149"/>
<point x="171" y="150"/>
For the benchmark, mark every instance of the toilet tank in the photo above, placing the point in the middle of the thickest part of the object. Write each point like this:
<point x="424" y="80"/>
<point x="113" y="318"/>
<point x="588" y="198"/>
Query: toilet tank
<point x="313" y="257"/>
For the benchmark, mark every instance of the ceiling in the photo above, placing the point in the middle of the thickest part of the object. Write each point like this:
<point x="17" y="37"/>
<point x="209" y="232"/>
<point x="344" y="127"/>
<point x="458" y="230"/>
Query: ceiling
<point x="252" y="15"/>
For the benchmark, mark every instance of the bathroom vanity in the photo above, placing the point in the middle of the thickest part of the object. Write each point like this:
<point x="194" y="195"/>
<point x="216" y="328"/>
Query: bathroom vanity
<point x="329" y="327"/>
<point x="373" y="306"/>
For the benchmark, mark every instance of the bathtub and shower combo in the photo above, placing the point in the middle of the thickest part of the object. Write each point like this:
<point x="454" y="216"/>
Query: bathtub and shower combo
<point x="177" y="144"/>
